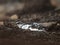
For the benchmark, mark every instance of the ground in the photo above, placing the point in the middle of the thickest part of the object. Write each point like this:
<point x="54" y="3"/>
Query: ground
<point x="28" y="38"/>
<point x="18" y="37"/>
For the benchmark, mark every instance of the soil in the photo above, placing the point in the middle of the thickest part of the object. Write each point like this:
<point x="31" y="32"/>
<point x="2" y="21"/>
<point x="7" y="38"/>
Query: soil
<point x="10" y="35"/>
<point x="16" y="36"/>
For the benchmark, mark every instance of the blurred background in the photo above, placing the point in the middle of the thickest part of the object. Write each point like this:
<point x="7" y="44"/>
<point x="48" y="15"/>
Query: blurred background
<point x="10" y="6"/>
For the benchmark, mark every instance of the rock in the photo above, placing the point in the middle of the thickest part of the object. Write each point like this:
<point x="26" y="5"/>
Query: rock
<point x="1" y="23"/>
<point x="14" y="17"/>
